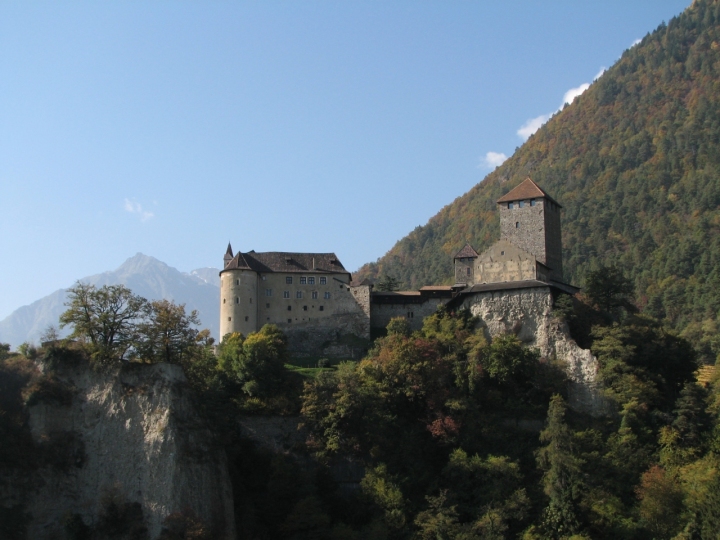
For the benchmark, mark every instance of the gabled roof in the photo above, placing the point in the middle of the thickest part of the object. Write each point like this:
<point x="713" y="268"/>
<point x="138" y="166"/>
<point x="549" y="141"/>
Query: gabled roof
<point x="466" y="252"/>
<point x="280" y="261"/>
<point x="527" y="189"/>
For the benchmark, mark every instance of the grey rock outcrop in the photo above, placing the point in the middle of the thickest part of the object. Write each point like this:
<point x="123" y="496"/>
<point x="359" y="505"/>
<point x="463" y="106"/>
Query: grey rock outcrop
<point x="528" y="314"/>
<point x="139" y="439"/>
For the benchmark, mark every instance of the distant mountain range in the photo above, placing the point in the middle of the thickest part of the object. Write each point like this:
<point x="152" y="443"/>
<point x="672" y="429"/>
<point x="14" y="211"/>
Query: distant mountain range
<point x="145" y="275"/>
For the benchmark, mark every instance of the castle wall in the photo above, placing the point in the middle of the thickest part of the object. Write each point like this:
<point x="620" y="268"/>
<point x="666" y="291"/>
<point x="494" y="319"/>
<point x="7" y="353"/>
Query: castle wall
<point x="238" y="302"/>
<point x="413" y="312"/>
<point x="527" y="313"/>
<point x="504" y="262"/>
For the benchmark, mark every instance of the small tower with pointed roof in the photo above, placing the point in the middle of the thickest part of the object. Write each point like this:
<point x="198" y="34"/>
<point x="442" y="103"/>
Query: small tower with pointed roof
<point x="465" y="265"/>
<point x="228" y="256"/>
<point x="530" y="220"/>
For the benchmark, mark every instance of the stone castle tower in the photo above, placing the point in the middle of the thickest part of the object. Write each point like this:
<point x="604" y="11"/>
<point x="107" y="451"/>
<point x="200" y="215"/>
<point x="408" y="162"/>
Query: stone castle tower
<point x="530" y="220"/>
<point x="530" y="245"/>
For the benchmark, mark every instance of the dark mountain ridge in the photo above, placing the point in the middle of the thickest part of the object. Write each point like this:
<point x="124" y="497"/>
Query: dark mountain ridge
<point x="635" y="162"/>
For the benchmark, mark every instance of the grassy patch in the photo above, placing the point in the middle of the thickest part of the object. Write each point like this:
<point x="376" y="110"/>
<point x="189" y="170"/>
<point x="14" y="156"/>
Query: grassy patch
<point x="307" y="372"/>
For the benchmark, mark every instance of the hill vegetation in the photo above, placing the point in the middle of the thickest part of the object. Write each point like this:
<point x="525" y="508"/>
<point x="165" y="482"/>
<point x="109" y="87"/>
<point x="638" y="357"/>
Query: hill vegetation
<point x="456" y="437"/>
<point x="635" y="162"/>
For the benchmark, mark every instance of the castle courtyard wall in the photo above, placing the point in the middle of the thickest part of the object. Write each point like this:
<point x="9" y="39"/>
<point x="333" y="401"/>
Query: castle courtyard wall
<point x="414" y="312"/>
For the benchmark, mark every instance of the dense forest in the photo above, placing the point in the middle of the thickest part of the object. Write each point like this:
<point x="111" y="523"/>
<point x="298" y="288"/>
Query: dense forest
<point x="635" y="162"/>
<point x="456" y="436"/>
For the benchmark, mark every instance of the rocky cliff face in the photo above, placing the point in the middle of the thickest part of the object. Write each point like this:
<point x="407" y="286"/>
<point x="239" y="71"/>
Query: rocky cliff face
<point x="528" y="314"/>
<point x="135" y="437"/>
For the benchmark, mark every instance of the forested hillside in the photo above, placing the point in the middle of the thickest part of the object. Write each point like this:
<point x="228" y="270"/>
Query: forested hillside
<point x="635" y="162"/>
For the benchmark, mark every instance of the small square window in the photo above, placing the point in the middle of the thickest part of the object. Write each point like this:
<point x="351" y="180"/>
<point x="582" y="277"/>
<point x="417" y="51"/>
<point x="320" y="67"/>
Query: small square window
<point x="286" y="294"/>
<point x="532" y="202"/>
<point x="341" y="286"/>
<point x="268" y="292"/>
<point x="246" y="318"/>
<point x="289" y="320"/>
<point x="289" y="308"/>
<point x="521" y="204"/>
<point x="229" y="319"/>
<point x="311" y="281"/>
<point x="468" y="271"/>
<point x="517" y="224"/>
<point x="237" y="282"/>
<point x="314" y="295"/>
<point x="510" y="206"/>
<point x="304" y="308"/>
<point x="298" y="294"/>
<point x="303" y="281"/>
<point x="502" y="253"/>
<point x="322" y="308"/>
<point x="264" y="278"/>
<point x="267" y="306"/>
<point x="323" y="281"/>
<point x="288" y="280"/>
<point x="327" y="295"/>
<point x="237" y="299"/>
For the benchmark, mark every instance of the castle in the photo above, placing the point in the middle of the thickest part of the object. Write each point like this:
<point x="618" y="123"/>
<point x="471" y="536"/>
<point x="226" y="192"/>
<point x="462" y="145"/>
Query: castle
<point x="312" y="298"/>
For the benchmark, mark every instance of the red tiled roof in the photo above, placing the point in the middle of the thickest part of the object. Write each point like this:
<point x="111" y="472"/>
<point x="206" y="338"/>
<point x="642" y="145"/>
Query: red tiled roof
<point x="527" y="189"/>
<point x="466" y="252"/>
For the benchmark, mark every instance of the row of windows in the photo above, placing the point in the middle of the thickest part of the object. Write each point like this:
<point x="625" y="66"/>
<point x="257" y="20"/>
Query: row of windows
<point x="521" y="204"/>
<point x="286" y="294"/>
<point x="306" y="280"/>
<point x="303" y="280"/>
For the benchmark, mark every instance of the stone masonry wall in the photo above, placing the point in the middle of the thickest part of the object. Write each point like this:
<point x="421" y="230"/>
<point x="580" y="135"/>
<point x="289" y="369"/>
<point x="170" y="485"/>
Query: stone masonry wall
<point x="414" y="313"/>
<point x="527" y="313"/>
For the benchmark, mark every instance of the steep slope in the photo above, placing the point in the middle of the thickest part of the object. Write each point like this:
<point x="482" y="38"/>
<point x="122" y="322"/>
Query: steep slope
<point x="635" y="161"/>
<point x="145" y="275"/>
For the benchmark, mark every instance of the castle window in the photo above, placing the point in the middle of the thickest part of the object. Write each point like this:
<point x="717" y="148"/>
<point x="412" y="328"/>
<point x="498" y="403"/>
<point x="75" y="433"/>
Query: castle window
<point x="298" y="294"/>
<point x="267" y="305"/>
<point x="521" y="204"/>
<point x="323" y="281"/>
<point x="502" y="253"/>
<point x="314" y="295"/>
<point x="289" y="308"/>
<point x="237" y="299"/>
<point x="246" y="318"/>
<point x="264" y="278"/>
<point x="286" y="294"/>
<point x="223" y="300"/>
<point x="289" y="320"/>
<point x="532" y="202"/>
<point x="288" y="280"/>
<point x="327" y="295"/>
<point x="237" y="282"/>
<point x="517" y="224"/>
<point x="251" y="300"/>
<point x="311" y="281"/>
<point x="268" y="292"/>
<point x="468" y="271"/>
<point x="304" y="308"/>
<point x="303" y="281"/>
<point x="229" y="319"/>
<point x="510" y="206"/>
<point x="322" y="308"/>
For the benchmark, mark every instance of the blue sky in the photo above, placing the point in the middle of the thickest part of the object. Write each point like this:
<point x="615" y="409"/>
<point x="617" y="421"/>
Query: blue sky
<point x="169" y="128"/>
